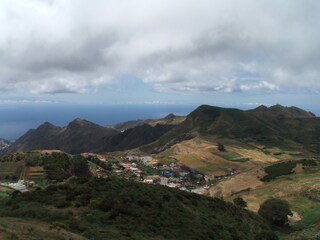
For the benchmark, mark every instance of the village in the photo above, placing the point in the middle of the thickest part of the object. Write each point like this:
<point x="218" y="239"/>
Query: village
<point x="148" y="170"/>
<point x="136" y="167"/>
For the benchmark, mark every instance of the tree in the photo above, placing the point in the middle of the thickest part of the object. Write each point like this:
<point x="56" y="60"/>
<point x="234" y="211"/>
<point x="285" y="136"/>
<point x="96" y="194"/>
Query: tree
<point x="238" y="201"/>
<point x="80" y="166"/>
<point x="275" y="211"/>
<point x="221" y="147"/>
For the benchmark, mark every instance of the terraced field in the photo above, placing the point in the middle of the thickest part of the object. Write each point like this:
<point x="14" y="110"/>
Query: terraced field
<point x="34" y="173"/>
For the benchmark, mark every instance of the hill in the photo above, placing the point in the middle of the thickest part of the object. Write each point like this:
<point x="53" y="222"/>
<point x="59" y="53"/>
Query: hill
<point x="78" y="136"/>
<point x="275" y="126"/>
<point x="283" y="112"/>
<point x="170" y="119"/>
<point x="119" y="209"/>
<point x="136" y="137"/>
<point x="295" y="181"/>
<point x="83" y="136"/>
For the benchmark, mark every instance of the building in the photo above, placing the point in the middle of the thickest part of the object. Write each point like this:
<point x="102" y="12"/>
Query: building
<point x="163" y="181"/>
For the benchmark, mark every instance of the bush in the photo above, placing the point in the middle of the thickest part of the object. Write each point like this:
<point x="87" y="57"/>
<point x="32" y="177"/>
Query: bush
<point x="238" y="201"/>
<point x="221" y="147"/>
<point x="275" y="212"/>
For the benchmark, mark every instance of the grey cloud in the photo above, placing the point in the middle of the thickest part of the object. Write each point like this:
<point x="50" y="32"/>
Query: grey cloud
<point x="68" y="46"/>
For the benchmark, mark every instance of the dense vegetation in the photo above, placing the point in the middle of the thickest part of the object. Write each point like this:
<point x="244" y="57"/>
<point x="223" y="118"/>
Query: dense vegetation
<point x="279" y="169"/>
<point x="285" y="168"/>
<point x="119" y="209"/>
<point x="275" y="211"/>
<point x="58" y="165"/>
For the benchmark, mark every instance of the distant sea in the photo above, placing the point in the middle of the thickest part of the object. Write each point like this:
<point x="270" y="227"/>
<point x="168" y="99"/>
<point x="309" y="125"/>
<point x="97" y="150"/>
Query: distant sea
<point x="16" y="120"/>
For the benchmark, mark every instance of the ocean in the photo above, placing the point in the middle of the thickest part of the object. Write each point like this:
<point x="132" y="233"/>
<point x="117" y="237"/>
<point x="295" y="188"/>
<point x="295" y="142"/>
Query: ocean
<point x="16" y="120"/>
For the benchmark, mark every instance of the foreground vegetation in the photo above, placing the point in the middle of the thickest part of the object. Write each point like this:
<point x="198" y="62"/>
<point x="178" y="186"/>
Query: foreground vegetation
<point x="119" y="209"/>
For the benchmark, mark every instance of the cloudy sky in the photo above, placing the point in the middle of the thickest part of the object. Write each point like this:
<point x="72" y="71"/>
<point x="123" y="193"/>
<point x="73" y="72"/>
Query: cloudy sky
<point x="161" y="51"/>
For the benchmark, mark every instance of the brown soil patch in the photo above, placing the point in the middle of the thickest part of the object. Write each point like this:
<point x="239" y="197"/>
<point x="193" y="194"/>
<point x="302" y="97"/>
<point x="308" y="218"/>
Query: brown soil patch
<point x="299" y="168"/>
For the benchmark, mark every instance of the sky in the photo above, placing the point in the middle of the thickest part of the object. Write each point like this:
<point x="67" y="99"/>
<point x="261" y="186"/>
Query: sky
<point x="218" y="52"/>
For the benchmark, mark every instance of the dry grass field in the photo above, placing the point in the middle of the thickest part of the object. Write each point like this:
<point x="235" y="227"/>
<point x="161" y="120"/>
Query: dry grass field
<point x="203" y="155"/>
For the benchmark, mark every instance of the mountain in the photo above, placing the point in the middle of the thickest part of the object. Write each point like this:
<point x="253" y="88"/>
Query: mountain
<point x="78" y="136"/>
<point x="4" y="144"/>
<point x="283" y="112"/>
<point x="136" y="137"/>
<point x="273" y="126"/>
<point x="170" y="119"/>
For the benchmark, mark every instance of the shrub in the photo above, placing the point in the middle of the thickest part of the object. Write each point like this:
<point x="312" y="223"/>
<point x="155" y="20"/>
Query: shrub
<point x="238" y="201"/>
<point x="221" y="147"/>
<point x="275" y="212"/>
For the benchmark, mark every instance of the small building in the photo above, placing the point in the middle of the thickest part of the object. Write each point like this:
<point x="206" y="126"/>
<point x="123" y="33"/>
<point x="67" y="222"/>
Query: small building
<point x="200" y="191"/>
<point x="183" y="174"/>
<point x="148" y="181"/>
<point x="172" y="165"/>
<point x="167" y="173"/>
<point x="154" y="178"/>
<point x="174" y="185"/>
<point x="163" y="181"/>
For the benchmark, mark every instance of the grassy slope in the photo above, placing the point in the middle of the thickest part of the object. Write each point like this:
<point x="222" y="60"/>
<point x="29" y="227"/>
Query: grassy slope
<point x="291" y="188"/>
<point x="270" y="130"/>
<point x="202" y="153"/>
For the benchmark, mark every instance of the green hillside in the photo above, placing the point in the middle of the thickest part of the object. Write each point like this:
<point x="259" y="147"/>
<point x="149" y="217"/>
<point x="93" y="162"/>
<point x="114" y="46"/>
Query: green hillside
<point x="290" y="128"/>
<point x="119" y="209"/>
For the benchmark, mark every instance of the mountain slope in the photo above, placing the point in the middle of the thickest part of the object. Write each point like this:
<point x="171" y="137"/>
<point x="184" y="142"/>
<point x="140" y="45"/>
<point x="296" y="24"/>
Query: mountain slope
<point x="170" y="119"/>
<point x="136" y="137"/>
<point x="274" y="126"/>
<point x="78" y="136"/>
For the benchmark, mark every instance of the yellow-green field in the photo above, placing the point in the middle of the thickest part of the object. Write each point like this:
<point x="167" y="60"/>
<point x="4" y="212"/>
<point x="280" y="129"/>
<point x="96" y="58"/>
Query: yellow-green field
<point x="203" y="155"/>
<point x="291" y="188"/>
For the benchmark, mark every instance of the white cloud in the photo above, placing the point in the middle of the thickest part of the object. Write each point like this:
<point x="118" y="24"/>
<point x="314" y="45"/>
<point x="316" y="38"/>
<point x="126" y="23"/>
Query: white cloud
<point x="184" y="45"/>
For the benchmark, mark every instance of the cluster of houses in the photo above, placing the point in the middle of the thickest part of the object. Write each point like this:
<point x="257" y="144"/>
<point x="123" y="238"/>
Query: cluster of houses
<point x="20" y="186"/>
<point x="145" y="169"/>
<point x="174" y="175"/>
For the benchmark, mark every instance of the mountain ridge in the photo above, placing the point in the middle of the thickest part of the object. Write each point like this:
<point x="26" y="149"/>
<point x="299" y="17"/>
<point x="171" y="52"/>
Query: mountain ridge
<point x="275" y="125"/>
<point x="78" y="136"/>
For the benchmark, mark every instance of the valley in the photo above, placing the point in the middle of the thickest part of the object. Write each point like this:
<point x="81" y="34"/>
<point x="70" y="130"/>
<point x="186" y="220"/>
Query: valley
<point x="213" y="153"/>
